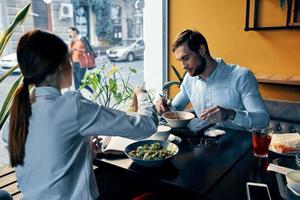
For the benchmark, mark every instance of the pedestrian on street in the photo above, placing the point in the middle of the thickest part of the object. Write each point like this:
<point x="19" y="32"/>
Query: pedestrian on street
<point x="76" y="48"/>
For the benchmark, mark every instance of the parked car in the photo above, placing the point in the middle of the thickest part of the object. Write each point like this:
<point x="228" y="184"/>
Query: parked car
<point x="126" y="50"/>
<point x="8" y="61"/>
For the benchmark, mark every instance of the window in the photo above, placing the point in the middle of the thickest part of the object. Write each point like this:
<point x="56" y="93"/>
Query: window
<point x="130" y="19"/>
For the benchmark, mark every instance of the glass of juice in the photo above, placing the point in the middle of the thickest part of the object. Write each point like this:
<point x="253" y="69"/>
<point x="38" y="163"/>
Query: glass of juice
<point x="261" y="139"/>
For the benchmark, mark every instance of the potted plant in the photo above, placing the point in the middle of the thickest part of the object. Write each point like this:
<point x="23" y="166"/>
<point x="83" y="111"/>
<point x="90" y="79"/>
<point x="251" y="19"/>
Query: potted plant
<point x="19" y="18"/>
<point x="108" y="87"/>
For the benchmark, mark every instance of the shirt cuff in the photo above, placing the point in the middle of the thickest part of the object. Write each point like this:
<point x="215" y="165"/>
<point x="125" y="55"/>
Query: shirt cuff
<point x="239" y="117"/>
<point x="143" y="98"/>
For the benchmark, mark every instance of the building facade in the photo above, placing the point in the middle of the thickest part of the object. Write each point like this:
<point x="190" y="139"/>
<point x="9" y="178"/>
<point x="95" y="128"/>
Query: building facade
<point x="125" y="18"/>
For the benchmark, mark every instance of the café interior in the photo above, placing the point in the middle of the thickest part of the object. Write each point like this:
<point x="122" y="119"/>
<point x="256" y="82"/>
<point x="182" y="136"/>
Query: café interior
<point x="260" y="35"/>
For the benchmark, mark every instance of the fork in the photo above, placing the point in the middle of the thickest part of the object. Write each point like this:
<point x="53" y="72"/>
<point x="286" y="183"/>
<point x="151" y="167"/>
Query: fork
<point x="170" y="107"/>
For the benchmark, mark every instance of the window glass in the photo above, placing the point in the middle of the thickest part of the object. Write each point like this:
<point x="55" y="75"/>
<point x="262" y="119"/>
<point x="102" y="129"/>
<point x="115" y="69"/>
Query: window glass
<point x="113" y="28"/>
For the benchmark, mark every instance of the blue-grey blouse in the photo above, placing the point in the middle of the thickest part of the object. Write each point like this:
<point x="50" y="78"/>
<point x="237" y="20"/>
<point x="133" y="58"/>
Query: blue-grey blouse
<point x="58" y="157"/>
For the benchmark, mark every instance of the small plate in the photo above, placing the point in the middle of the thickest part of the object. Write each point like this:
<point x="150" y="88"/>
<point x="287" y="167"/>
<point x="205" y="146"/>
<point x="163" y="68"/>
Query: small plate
<point x="284" y="139"/>
<point x="271" y="148"/>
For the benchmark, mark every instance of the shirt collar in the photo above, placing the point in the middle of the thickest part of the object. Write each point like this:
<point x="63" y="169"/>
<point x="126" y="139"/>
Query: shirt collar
<point x="47" y="91"/>
<point x="217" y="71"/>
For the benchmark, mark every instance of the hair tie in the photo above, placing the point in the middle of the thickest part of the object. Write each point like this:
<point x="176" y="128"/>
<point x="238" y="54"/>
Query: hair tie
<point x="26" y="81"/>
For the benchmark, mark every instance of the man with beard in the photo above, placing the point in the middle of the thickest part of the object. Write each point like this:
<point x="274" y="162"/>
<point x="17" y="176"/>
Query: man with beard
<point x="221" y="93"/>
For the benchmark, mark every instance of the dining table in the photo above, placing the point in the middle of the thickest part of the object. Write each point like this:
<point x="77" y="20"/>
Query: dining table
<point x="204" y="168"/>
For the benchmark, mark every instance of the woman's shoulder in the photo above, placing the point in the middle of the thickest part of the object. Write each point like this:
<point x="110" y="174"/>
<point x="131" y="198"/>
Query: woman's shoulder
<point x="75" y="97"/>
<point x="72" y="94"/>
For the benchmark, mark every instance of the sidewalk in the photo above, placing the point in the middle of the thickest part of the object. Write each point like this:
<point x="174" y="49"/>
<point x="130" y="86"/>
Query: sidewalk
<point x="4" y="158"/>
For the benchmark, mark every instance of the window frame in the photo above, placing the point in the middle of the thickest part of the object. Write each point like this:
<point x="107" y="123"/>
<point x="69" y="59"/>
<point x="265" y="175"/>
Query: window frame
<point x="156" y="44"/>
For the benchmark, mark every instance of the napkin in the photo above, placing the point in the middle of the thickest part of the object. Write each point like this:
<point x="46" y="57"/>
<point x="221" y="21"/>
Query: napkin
<point x="213" y="132"/>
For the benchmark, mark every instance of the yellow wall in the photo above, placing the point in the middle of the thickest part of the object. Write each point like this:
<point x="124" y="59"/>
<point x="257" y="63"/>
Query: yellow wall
<point x="222" y="22"/>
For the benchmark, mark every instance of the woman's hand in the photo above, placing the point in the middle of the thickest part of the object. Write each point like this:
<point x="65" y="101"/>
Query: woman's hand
<point x="139" y="90"/>
<point x="134" y="103"/>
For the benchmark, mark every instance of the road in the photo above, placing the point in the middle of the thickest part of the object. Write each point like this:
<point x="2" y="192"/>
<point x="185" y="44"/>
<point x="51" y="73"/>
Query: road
<point x="136" y="79"/>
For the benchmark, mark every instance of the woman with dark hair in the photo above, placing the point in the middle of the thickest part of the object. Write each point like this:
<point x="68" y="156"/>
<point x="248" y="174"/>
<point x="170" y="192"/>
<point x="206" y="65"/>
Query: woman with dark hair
<point x="48" y="136"/>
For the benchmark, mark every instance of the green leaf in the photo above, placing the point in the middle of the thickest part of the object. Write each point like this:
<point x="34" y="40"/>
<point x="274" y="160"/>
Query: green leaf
<point x="176" y="73"/>
<point x="112" y="85"/>
<point x="282" y="3"/>
<point x="9" y="31"/>
<point x="168" y="84"/>
<point x="19" y="18"/>
<point x="9" y="72"/>
<point x="118" y="97"/>
<point x="182" y="77"/>
<point x="132" y="70"/>
<point x="8" y="100"/>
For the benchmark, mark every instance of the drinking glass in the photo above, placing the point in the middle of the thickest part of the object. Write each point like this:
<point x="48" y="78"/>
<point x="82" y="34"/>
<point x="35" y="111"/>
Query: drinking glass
<point x="261" y="139"/>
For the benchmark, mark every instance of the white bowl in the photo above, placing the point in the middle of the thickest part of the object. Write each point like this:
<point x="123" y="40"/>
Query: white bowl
<point x="178" y="119"/>
<point x="162" y="133"/>
<point x="293" y="180"/>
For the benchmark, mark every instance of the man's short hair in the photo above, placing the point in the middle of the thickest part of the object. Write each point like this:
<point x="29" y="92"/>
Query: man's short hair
<point x="193" y="39"/>
<point x="74" y="29"/>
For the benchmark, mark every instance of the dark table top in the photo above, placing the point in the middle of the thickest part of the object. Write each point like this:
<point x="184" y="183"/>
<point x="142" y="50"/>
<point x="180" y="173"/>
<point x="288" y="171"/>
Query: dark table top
<point x="209" y="169"/>
<point x="204" y="170"/>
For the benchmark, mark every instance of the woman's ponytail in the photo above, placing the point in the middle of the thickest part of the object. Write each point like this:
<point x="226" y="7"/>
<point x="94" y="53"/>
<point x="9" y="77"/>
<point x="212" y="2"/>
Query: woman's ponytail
<point x="18" y="126"/>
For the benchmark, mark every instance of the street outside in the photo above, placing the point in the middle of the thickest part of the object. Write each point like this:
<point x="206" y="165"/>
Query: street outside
<point x="136" y="80"/>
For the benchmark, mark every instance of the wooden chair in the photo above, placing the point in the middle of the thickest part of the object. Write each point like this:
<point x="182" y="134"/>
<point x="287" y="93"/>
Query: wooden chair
<point x="8" y="182"/>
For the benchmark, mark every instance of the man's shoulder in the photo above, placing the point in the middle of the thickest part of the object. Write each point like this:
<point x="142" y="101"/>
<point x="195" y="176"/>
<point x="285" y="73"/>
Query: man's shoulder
<point x="238" y="70"/>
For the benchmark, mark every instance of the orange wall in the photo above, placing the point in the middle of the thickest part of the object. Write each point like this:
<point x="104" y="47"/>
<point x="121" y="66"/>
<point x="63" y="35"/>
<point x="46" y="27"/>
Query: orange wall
<point x="222" y="22"/>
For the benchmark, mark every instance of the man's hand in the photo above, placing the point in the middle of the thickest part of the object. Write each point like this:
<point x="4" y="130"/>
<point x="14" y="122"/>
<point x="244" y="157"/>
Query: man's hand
<point x="162" y="105"/>
<point x="217" y="114"/>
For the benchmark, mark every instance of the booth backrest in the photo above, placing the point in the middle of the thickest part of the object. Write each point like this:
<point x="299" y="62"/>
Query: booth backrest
<point x="284" y="115"/>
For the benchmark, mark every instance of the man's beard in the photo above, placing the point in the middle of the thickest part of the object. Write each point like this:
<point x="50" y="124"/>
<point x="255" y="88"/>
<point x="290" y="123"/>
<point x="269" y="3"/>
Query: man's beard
<point x="199" y="69"/>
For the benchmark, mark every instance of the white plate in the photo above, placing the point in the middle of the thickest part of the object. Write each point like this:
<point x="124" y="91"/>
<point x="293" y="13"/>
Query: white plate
<point x="291" y="139"/>
<point x="285" y="154"/>
<point x="271" y="148"/>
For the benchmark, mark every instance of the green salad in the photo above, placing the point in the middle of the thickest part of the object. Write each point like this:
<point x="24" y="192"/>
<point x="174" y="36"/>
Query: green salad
<point x="151" y="152"/>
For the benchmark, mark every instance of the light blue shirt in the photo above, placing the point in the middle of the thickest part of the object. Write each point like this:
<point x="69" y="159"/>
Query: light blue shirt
<point x="228" y="86"/>
<point x="58" y="157"/>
